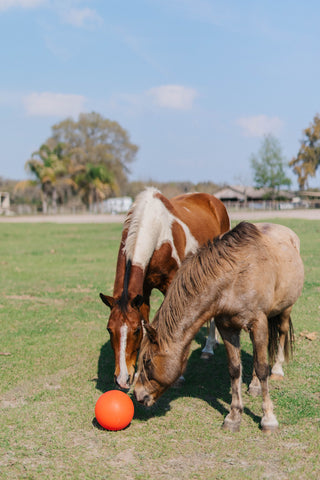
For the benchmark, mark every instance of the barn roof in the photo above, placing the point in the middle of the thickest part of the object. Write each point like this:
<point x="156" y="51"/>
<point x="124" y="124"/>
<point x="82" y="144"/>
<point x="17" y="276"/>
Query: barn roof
<point x="241" y="193"/>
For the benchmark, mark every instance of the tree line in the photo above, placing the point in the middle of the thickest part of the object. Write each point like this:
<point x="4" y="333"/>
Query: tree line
<point x="88" y="160"/>
<point x="269" y="165"/>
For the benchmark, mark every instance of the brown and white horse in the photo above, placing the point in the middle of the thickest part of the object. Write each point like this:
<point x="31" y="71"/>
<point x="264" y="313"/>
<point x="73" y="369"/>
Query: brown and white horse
<point x="248" y="279"/>
<point x="157" y="235"/>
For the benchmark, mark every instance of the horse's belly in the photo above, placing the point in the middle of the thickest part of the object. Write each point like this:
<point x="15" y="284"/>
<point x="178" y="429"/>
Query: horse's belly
<point x="288" y="291"/>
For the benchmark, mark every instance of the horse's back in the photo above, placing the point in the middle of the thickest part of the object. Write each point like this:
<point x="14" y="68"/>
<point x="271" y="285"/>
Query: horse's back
<point x="202" y="213"/>
<point x="279" y="234"/>
<point x="284" y="248"/>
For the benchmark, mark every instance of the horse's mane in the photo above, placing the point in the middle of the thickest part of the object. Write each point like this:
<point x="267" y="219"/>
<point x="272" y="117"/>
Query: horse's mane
<point x="123" y="300"/>
<point x="135" y="216"/>
<point x="136" y="222"/>
<point x="210" y="261"/>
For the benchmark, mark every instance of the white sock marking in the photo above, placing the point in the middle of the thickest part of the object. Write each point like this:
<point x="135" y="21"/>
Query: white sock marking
<point x="211" y="340"/>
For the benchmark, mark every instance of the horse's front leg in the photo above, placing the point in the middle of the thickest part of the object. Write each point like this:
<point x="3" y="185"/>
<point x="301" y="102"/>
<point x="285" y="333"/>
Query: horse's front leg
<point x="211" y="343"/>
<point x="259" y="335"/>
<point x="231" y="339"/>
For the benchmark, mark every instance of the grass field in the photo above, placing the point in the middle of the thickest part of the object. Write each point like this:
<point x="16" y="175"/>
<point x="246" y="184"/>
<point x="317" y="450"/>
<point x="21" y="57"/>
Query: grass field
<point x="56" y="360"/>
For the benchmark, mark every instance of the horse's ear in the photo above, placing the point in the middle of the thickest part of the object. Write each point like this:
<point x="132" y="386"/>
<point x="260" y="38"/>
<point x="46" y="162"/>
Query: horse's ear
<point x="151" y="332"/>
<point x="109" y="301"/>
<point x="137" y="301"/>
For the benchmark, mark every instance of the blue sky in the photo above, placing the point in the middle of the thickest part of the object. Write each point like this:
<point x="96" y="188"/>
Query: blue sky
<point x="196" y="83"/>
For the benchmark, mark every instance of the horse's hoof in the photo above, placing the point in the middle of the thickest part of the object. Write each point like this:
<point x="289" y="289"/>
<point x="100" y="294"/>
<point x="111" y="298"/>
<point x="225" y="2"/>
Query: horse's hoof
<point x="269" y="429"/>
<point x="269" y="424"/>
<point x="231" y="426"/>
<point x="254" y="391"/>
<point x="276" y="376"/>
<point x="206" y="356"/>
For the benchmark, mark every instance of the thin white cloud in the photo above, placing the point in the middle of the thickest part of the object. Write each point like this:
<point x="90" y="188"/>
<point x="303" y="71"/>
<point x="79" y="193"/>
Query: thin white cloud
<point x="81" y="17"/>
<point x="216" y="13"/>
<point x="49" y="104"/>
<point x="175" y="97"/>
<point x="7" y="4"/>
<point x="260" y="125"/>
<point x="78" y="17"/>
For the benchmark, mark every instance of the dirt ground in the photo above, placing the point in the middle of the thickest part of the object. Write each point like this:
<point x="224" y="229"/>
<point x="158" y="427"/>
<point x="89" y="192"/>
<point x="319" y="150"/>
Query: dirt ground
<point x="308" y="214"/>
<point x="78" y="218"/>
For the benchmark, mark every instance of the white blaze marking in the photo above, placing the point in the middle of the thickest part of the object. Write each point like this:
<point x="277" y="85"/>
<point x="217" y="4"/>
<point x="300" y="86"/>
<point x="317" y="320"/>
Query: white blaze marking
<point x="123" y="377"/>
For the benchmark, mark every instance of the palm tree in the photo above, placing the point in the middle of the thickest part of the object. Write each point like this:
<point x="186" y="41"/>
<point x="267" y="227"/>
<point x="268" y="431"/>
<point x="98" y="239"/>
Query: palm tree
<point x="95" y="183"/>
<point x="50" y="169"/>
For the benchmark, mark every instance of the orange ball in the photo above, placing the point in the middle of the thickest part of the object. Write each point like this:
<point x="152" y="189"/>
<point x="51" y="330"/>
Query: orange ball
<point x="114" y="410"/>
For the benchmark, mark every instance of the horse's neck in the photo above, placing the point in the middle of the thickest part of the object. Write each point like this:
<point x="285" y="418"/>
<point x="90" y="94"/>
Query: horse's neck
<point x="129" y="278"/>
<point x="149" y="226"/>
<point x="186" y="322"/>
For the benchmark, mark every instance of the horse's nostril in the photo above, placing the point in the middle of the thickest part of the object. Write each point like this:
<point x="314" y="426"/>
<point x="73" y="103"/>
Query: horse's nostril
<point x="143" y="400"/>
<point x="146" y="400"/>
<point x="123" y="385"/>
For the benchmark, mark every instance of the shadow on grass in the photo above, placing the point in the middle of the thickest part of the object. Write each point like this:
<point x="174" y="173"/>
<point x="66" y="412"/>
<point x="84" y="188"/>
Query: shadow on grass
<point x="106" y="366"/>
<point x="208" y="380"/>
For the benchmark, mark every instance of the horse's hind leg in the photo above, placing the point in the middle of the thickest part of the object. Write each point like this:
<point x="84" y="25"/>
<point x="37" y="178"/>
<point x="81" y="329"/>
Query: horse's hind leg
<point x="281" y="330"/>
<point x="255" y="386"/>
<point x="284" y="329"/>
<point x="259" y="331"/>
<point x="211" y="343"/>
<point x="231" y="339"/>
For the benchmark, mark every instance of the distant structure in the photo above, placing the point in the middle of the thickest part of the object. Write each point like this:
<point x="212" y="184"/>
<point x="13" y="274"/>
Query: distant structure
<point x="312" y="198"/>
<point x="246" y="196"/>
<point x="4" y="202"/>
<point x="116" y="205"/>
<point x="240" y="194"/>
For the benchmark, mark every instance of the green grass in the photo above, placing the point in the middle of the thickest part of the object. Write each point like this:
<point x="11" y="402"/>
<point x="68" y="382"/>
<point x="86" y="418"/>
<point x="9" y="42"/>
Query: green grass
<point x="59" y="361"/>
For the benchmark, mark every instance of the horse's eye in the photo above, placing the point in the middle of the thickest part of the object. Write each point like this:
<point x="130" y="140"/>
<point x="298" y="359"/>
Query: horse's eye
<point x="137" y="331"/>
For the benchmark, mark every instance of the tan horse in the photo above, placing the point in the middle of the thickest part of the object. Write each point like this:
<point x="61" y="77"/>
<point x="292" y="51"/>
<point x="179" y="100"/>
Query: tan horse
<point x="158" y="233"/>
<point x="248" y="279"/>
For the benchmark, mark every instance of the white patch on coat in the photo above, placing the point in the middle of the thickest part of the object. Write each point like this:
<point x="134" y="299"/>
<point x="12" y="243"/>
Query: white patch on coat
<point x="123" y="376"/>
<point x="149" y="226"/>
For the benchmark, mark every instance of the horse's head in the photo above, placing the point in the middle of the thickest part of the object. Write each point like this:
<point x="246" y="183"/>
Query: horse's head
<point x="125" y="329"/>
<point x="158" y="368"/>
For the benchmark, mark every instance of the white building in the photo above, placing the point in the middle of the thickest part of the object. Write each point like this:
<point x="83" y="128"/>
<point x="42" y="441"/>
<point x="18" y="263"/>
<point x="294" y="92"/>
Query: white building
<point x="4" y="202"/>
<point x="116" y="205"/>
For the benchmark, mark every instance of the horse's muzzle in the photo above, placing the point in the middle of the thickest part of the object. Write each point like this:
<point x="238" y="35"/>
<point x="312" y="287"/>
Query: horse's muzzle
<point x="143" y="397"/>
<point x="124" y="385"/>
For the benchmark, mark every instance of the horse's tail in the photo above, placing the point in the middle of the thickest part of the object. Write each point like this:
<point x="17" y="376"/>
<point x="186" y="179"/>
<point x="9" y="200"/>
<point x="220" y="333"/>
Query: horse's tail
<point x="274" y="324"/>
